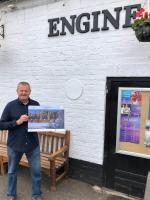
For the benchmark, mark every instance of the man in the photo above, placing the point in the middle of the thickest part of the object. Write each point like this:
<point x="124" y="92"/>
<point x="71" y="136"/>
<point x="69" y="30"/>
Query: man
<point x="20" y="141"/>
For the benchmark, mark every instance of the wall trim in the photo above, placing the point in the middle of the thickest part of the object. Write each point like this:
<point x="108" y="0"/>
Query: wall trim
<point x="85" y="171"/>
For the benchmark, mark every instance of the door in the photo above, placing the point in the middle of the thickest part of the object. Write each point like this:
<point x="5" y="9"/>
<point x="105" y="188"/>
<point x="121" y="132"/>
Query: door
<point x="122" y="172"/>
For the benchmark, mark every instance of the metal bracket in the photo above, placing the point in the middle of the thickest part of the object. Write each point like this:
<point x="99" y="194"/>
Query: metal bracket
<point x="2" y="31"/>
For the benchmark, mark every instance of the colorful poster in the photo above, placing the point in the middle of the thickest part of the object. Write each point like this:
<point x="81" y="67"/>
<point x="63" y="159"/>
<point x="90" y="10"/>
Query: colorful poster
<point x="147" y="134"/>
<point x="133" y="122"/>
<point x="43" y="118"/>
<point x="130" y="116"/>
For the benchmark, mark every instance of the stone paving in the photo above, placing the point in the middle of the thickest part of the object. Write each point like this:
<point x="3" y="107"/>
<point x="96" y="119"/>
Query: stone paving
<point x="69" y="189"/>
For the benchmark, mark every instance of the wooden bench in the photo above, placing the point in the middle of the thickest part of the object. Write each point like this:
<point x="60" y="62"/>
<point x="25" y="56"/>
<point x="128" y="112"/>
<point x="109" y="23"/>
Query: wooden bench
<point x="54" y="147"/>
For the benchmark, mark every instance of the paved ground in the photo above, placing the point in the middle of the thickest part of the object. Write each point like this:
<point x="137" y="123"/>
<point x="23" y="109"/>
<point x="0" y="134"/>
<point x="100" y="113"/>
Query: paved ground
<point x="69" y="189"/>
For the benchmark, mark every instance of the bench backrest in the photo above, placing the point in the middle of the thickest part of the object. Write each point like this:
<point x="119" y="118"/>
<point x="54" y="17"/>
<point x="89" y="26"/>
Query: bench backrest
<point x="50" y="142"/>
<point x="3" y="137"/>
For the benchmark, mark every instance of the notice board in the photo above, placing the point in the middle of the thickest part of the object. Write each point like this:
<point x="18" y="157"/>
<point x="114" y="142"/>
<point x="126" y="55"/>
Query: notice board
<point x="133" y="122"/>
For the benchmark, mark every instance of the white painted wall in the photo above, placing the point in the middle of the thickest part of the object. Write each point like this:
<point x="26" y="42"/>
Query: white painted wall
<point x="48" y="63"/>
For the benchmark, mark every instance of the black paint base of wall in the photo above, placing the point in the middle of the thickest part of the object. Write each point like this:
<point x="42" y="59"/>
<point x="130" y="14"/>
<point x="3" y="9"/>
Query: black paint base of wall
<point x="130" y="183"/>
<point x="91" y="173"/>
<point x="85" y="171"/>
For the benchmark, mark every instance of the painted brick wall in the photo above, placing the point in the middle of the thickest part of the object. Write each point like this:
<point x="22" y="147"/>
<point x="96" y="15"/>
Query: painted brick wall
<point x="28" y="54"/>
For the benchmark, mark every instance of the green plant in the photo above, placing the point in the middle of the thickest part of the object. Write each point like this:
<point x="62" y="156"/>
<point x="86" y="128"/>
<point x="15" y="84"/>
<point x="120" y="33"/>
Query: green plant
<point x="142" y="19"/>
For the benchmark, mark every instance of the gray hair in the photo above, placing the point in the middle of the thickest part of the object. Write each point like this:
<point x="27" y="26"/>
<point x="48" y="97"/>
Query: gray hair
<point x="23" y="83"/>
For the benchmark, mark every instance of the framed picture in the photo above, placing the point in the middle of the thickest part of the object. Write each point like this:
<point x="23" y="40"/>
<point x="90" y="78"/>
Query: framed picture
<point x="133" y="122"/>
<point x="42" y="118"/>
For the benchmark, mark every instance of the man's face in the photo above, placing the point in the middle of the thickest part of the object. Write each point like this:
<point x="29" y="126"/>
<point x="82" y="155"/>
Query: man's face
<point x="23" y="92"/>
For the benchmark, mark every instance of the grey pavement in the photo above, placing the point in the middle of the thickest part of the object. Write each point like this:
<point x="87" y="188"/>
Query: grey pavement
<point x="147" y="190"/>
<point x="68" y="189"/>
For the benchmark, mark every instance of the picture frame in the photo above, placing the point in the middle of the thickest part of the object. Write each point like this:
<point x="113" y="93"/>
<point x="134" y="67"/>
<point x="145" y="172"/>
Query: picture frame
<point x="44" y="118"/>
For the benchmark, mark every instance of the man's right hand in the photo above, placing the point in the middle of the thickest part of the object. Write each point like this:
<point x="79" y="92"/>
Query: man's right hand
<point x="22" y="119"/>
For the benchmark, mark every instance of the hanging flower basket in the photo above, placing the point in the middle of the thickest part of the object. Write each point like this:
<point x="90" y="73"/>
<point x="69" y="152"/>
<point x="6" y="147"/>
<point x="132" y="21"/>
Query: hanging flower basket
<point x="141" y="26"/>
<point x="143" y="32"/>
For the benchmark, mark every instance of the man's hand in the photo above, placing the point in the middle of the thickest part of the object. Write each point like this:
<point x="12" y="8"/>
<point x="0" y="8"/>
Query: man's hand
<point x="23" y="118"/>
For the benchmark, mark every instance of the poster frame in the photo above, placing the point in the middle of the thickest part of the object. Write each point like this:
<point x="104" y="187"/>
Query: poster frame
<point x="39" y="127"/>
<point x="118" y="150"/>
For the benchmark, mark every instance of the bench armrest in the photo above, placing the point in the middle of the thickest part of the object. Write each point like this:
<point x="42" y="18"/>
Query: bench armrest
<point x="58" y="153"/>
